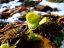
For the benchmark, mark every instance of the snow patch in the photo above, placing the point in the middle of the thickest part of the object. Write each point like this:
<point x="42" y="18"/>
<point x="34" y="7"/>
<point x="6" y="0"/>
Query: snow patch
<point x="13" y="18"/>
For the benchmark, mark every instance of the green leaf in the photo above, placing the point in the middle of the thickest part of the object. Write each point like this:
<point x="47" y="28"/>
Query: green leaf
<point x="33" y="36"/>
<point x="4" y="46"/>
<point x="33" y="20"/>
<point x="44" y="20"/>
<point x="58" y="39"/>
<point x="12" y="47"/>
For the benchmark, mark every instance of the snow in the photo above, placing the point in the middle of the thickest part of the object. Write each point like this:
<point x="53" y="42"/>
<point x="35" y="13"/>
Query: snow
<point x="1" y="9"/>
<point x="11" y="4"/>
<point x="62" y="44"/>
<point x="13" y="18"/>
<point x="42" y="13"/>
<point x="60" y="13"/>
<point x="59" y="6"/>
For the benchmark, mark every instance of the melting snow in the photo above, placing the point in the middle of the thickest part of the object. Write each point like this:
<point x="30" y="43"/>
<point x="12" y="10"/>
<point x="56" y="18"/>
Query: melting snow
<point x="59" y="6"/>
<point x="13" y="18"/>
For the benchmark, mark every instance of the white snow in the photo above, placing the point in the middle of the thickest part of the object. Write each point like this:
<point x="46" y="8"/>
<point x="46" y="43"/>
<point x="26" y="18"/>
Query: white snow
<point x="59" y="6"/>
<point x="62" y="46"/>
<point x="60" y="13"/>
<point x="11" y="4"/>
<point x="13" y="18"/>
<point x="42" y="13"/>
<point x="2" y="9"/>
